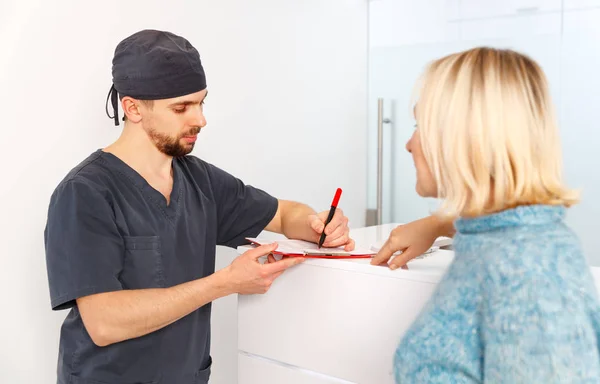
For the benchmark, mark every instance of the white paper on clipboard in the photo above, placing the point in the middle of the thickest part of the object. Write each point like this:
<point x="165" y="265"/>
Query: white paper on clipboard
<point x="300" y="247"/>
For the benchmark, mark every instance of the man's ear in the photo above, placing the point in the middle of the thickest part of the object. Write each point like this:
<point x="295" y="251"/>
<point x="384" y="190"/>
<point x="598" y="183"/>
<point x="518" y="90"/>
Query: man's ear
<point x="131" y="109"/>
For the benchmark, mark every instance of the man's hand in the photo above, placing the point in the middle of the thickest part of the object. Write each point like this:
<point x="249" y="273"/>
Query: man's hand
<point x="299" y="221"/>
<point x="337" y="231"/>
<point x="413" y="239"/>
<point x="248" y="276"/>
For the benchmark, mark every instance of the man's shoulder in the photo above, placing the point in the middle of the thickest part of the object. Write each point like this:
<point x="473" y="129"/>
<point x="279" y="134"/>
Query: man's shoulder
<point x="90" y="174"/>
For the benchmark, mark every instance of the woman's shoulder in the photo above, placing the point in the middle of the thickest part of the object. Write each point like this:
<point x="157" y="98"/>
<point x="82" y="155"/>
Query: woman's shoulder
<point x="541" y="248"/>
<point x="532" y="235"/>
<point x="529" y="248"/>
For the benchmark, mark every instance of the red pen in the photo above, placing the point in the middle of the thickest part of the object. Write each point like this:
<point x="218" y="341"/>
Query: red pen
<point x="334" y="204"/>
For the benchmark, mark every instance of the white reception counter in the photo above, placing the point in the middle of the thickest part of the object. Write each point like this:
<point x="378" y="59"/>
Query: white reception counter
<point x="334" y="321"/>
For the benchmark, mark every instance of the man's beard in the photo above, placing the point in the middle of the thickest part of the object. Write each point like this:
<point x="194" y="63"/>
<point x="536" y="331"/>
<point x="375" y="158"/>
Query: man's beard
<point x="171" y="146"/>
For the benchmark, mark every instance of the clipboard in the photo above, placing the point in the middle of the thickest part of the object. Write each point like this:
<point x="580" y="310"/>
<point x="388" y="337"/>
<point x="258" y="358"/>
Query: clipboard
<point x="300" y="248"/>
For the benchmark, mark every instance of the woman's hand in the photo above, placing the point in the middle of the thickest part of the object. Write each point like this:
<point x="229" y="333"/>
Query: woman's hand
<point x="412" y="239"/>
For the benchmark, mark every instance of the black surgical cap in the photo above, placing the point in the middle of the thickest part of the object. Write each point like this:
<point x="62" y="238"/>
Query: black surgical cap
<point x="152" y="65"/>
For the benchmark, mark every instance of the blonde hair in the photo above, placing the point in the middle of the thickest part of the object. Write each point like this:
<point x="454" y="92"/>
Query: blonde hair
<point x="488" y="133"/>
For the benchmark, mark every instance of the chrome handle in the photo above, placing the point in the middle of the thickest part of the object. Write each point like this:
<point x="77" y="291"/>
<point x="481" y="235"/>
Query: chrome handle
<point x="379" y="160"/>
<point x="377" y="216"/>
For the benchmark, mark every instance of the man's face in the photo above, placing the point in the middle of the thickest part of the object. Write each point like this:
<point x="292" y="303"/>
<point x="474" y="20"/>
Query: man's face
<point x="173" y="124"/>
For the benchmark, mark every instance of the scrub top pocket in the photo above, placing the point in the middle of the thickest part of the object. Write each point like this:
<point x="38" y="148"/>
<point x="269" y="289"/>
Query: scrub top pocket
<point x="143" y="264"/>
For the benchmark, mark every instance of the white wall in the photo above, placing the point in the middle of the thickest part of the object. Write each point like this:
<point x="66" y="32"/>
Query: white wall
<point x="286" y="112"/>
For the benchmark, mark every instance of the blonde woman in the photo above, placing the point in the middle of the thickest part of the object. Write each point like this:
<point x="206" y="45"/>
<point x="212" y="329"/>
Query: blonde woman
<point x="518" y="304"/>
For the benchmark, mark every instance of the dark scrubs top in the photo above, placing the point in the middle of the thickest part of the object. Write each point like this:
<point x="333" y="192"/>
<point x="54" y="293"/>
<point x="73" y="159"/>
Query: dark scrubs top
<point x="109" y="230"/>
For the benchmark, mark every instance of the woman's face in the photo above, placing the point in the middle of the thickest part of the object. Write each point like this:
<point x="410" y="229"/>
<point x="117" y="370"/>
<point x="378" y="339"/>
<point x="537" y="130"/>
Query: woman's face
<point x="426" y="186"/>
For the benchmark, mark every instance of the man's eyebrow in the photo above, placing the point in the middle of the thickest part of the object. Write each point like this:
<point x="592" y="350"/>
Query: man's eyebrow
<point x="187" y="102"/>
<point x="182" y="103"/>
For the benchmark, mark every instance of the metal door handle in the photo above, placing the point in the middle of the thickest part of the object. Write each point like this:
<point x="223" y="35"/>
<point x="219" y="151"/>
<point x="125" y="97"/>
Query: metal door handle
<point x="375" y="216"/>
<point x="379" y="161"/>
<point x="380" y="121"/>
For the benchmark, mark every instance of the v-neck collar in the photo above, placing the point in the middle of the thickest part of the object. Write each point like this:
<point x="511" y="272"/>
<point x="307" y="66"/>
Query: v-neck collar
<point x="152" y="195"/>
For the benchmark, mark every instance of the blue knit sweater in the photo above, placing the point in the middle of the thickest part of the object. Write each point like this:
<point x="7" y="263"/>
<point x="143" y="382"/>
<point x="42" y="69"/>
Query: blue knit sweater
<point x="517" y="305"/>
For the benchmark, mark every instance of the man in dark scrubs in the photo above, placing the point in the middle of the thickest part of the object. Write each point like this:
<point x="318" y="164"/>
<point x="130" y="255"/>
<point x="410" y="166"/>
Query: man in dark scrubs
<point x="132" y="230"/>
